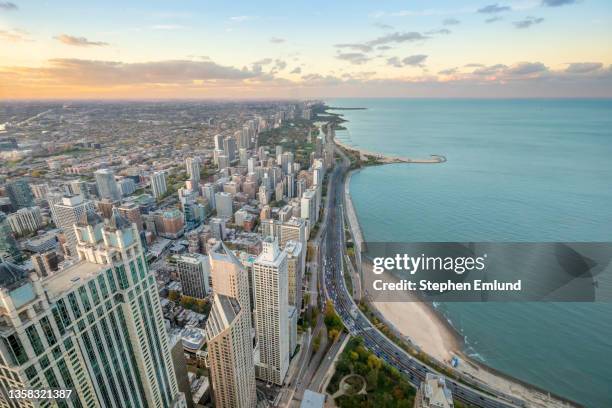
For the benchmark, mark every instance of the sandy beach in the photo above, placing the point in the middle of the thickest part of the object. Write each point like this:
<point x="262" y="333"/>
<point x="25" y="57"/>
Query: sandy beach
<point x="423" y="326"/>
<point x="420" y="323"/>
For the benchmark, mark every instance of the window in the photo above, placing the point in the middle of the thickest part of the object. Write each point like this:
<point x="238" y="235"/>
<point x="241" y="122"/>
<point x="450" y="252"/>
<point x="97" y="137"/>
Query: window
<point x="48" y="330"/>
<point x="35" y="340"/>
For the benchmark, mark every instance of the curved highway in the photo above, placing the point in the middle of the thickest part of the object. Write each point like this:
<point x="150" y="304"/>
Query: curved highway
<point x="332" y="252"/>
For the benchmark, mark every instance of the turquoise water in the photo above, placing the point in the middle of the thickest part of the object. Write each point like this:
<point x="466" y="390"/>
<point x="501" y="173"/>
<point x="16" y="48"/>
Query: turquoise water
<point x="517" y="170"/>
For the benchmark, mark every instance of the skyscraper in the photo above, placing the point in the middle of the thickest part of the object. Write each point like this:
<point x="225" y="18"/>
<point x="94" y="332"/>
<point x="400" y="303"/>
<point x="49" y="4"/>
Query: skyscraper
<point x="193" y="169"/>
<point x="243" y="155"/>
<point x="98" y="330"/>
<point x="251" y="163"/>
<point x="40" y="191"/>
<point x="244" y="138"/>
<point x="208" y="191"/>
<point x="20" y="194"/>
<point x="229" y="146"/>
<point x="295" y="272"/>
<point x="25" y="220"/>
<point x="158" y="184"/>
<point x="230" y="357"/>
<point x="8" y="245"/>
<point x="131" y="211"/>
<point x="68" y="212"/>
<point x="107" y="185"/>
<point x="271" y="312"/>
<point x="218" y="142"/>
<point x="224" y="204"/>
<point x="194" y="272"/>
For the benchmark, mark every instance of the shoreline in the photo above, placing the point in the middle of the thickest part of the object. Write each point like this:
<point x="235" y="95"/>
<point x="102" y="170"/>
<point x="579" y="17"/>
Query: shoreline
<point x="439" y="339"/>
<point x="386" y="159"/>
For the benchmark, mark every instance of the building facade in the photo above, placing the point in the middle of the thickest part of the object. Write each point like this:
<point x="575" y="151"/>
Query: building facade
<point x="271" y="312"/>
<point x="107" y="185"/>
<point x="194" y="273"/>
<point x="95" y="327"/>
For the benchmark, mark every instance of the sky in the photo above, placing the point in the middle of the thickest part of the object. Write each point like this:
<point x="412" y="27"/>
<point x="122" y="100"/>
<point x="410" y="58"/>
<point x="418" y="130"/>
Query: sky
<point x="304" y="49"/>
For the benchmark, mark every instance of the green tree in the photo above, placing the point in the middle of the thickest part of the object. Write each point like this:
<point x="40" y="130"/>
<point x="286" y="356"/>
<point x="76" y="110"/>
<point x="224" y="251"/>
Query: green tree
<point x="173" y="295"/>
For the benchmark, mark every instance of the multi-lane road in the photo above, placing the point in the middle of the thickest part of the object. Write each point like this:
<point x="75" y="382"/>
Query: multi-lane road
<point x="332" y="252"/>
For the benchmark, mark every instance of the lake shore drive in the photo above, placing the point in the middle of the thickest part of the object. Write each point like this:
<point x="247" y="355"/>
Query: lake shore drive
<point x="429" y="331"/>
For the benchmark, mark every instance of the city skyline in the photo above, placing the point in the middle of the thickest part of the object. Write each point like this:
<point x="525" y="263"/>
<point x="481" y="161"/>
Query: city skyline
<point x="530" y="48"/>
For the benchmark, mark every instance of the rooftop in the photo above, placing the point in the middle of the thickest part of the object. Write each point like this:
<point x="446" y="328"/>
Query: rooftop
<point x="66" y="279"/>
<point x="11" y="275"/>
<point x="312" y="399"/>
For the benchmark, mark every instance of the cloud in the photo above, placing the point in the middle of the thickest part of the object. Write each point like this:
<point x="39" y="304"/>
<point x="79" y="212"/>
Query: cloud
<point x="443" y="31"/>
<point x="451" y="21"/>
<point x="264" y="61"/>
<point x="474" y="65"/>
<point x="394" y="62"/>
<point x="493" y="19"/>
<point x="8" y="6"/>
<point x="516" y="71"/>
<point x="296" y="70"/>
<point x="78" y="41"/>
<point x="493" y="9"/>
<point x="113" y="73"/>
<point x="280" y="65"/>
<point x="528" y="22"/>
<point x="398" y="37"/>
<point x="356" y="58"/>
<point x="449" y="71"/>
<point x="381" y="43"/>
<point x="583" y="67"/>
<point x="277" y="40"/>
<point x="14" y="35"/>
<point x="558" y="3"/>
<point x="526" y="68"/>
<point x="413" y="60"/>
<point x="258" y="65"/>
<point x="320" y="80"/>
<point x="355" y="46"/>
<point x="490" y="70"/>
<point x="383" y="26"/>
<point x="70" y="78"/>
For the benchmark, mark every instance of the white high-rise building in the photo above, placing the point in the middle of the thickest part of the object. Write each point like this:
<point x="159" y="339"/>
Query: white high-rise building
<point x="224" y="204"/>
<point x="193" y="169"/>
<point x="126" y="186"/>
<point x="271" y="312"/>
<point x="218" y="142"/>
<point x="243" y="156"/>
<point x="208" y="191"/>
<point x="158" y="183"/>
<point x="25" y="220"/>
<point x="244" y="138"/>
<point x="40" y="191"/>
<point x="308" y="207"/>
<point x="194" y="273"/>
<point x="107" y="185"/>
<point x="98" y="330"/>
<point x="295" y="272"/>
<point x="230" y="354"/>
<point x="251" y="164"/>
<point x="67" y="213"/>
<point x="232" y="368"/>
